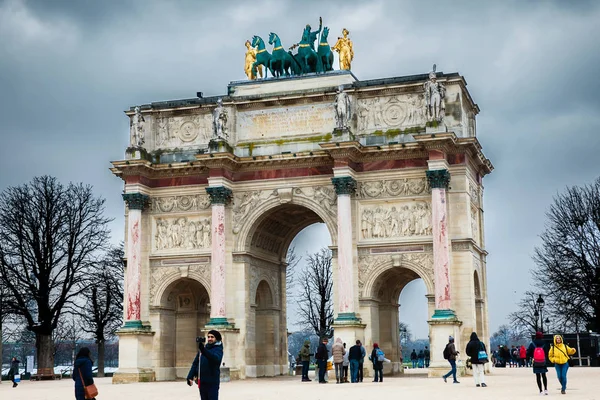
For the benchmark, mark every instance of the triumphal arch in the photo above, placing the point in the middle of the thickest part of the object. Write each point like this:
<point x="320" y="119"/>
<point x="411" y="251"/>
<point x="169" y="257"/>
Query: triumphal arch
<point x="217" y="187"/>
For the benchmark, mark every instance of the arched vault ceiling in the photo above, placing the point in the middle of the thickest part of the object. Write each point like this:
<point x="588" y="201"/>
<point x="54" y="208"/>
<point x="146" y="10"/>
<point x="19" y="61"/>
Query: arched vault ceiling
<point x="389" y="285"/>
<point x="277" y="229"/>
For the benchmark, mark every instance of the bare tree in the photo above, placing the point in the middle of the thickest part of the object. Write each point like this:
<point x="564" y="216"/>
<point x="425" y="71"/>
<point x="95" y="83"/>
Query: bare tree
<point x="568" y="261"/>
<point x="292" y="260"/>
<point x="315" y="300"/>
<point x="103" y="307"/>
<point x="50" y="235"/>
<point x="524" y="319"/>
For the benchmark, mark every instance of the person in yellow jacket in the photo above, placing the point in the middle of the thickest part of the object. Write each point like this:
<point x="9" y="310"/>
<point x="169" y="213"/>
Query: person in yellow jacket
<point x="559" y="355"/>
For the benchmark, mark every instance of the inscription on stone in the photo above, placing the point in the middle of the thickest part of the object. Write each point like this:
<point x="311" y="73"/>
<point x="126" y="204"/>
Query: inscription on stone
<point x="289" y="121"/>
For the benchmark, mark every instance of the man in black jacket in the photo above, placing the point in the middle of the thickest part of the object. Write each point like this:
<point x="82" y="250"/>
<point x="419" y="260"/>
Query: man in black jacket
<point x="322" y="355"/>
<point x="355" y="355"/>
<point x="473" y="348"/>
<point x="206" y="367"/>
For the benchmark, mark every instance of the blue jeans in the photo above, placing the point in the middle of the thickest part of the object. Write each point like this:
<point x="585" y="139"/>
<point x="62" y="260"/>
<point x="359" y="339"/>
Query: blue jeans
<point x="561" y="374"/>
<point x="353" y="371"/>
<point x="305" y="369"/>
<point x="414" y="363"/>
<point x="322" y="370"/>
<point x="452" y="371"/>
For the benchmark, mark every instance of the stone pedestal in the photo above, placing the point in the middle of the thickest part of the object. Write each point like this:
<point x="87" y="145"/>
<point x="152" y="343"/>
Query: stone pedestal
<point x="439" y="332"/>
<point x="343" y="135"/>
<point x="219" y="145"/>
<point x="135" y="356"/>
<point x="435" y="127"/>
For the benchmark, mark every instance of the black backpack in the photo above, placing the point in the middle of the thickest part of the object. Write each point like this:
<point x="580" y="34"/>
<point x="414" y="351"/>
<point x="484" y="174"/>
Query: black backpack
<point x="447" y="352"/>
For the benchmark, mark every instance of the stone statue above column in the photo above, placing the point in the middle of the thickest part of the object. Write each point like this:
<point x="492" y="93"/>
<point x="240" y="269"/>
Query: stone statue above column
<point x="435" y="93"/>
<point x="137" y="128"/>
<point x="220" y="121"/>
<point x="343" y="109"/>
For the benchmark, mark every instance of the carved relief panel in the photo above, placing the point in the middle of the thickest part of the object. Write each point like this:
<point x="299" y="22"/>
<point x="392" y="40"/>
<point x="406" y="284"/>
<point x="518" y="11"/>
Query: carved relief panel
<point x="181" y="234"/>
<point x="193" y="130"/>
<point x="394" y="112"/>
<point x="397" y="220"/>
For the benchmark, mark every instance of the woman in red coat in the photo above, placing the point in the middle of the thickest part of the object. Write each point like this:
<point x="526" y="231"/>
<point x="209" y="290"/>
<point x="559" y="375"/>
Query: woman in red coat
<point x="522" y="356"/>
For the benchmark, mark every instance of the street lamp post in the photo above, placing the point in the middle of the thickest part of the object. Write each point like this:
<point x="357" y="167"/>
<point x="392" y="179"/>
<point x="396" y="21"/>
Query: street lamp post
<point x="536" y="314"/>
<point x="540" y="305"/>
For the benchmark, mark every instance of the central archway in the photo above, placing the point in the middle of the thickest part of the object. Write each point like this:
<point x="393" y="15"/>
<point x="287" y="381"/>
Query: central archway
<point x="266" y="245"/>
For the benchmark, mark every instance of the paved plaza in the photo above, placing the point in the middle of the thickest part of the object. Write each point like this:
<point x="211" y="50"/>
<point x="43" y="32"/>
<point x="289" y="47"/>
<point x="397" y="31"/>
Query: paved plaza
<point x="513" y="384"/>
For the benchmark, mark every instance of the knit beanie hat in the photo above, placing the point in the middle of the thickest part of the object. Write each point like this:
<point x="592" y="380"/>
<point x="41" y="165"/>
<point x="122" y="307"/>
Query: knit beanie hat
<point x="216" y="334"/>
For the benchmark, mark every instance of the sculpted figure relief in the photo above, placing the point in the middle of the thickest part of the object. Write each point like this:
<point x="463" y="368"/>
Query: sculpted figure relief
<point x="243" y="205"/>
<point x="397" y="221"/>
<point x="220" y="121"/>
<point x="435" y="92"/>
<point x="342" y="109"/>
<point x="181" y="233"/>
<point x="180" y="203"/>
<point x="344" y="47"/>
<point x="250" y="60"/>
<point x="137" y="128"/>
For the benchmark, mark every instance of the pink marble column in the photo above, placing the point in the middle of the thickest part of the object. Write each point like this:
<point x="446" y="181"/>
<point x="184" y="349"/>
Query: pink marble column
<point x="345" y="187"/>
<point x="136" y="202"/>
<point x="439" y="180"/>
<point x="219" y="197"/>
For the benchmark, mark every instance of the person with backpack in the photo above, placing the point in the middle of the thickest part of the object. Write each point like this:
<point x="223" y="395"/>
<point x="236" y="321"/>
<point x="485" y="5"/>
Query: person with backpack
<point x="537" y="350"/>
<point x="13" y="371"/>
<point x="377" y="357"/>
<point x="559" y="355"/>
<point x="427" y="357"/>
<point x="450" y="354"/>
<point x="478" y="353"/>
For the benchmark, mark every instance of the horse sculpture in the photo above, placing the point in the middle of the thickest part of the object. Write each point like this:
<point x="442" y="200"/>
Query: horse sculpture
<point x="262" y="56"/>
<point x="307" y="57"/>
<point x="324" y="52"/>
<point x="281" y="61"/>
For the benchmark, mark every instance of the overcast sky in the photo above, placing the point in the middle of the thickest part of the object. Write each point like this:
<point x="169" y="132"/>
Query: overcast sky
<point x="68" y="69"/>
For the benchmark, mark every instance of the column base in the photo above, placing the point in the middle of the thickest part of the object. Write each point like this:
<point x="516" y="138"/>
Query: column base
<point x="446" y="314"/>
<point x="347" y="319"/>
<point x="135" y="354"/>
<point x="219" y="323"/>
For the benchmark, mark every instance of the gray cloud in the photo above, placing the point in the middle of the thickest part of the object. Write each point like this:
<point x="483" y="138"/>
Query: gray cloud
<point x="69" y="69"/>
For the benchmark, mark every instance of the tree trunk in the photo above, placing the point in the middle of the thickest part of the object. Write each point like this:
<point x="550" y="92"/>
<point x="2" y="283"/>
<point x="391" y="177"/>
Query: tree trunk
<point x="45" y="350"/>
<point x="101" y="359"/>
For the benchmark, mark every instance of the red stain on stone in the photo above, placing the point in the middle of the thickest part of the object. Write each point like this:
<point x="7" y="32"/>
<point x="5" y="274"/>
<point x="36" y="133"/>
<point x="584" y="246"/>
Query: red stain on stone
<point x="221" y="230"/>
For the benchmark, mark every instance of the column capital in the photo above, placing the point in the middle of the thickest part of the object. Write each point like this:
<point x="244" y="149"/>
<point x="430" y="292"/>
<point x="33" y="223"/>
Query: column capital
<point x="136" y="201"/>
<point x="219" y="195"/>
<point x="438" y="178"/>
<point x="344" y="184"/>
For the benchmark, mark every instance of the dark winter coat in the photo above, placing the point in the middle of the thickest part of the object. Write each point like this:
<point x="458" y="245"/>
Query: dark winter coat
<point x="355" y="353"/>
<point x="322" y="353"/>
<point x="531" y="349"/>
<point x="83" y="366"/>
<point x="207" y="364"/>
<point x="452" y="351"/>
<point x="474" y="347"/>
<point x="305" y="351"/>
<point x="14" y="369"/>
<point x="427" y="354"/>
<point x="413" y="355"/>
<point x="376" y="364"/>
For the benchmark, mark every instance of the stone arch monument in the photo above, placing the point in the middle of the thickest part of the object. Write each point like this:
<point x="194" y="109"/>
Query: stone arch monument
<point x="210" y="217"/>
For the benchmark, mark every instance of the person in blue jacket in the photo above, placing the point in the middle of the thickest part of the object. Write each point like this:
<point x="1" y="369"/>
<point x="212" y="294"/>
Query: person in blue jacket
<point x="206" y="368"/>
<point x="82" y="369"/>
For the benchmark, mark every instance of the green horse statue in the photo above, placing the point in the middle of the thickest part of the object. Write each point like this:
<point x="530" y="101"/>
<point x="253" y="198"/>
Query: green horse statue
<point x="262" y="56"/>
<point x="324" y="52"/>
<point x="307" y="57"/>
<point x="281" y="61"/>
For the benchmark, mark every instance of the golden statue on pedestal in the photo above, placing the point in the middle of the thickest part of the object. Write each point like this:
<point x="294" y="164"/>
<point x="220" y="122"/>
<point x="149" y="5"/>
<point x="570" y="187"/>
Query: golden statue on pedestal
<point x="344" y="47"/>
<point x="250" y="59"/>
